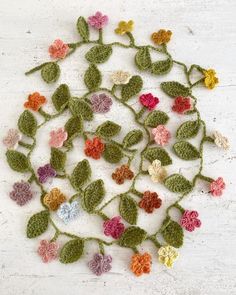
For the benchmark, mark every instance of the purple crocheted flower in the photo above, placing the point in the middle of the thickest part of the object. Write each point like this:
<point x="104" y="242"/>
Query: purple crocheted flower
<point x="101" y="103"/>
<point x="21" y="193"/>
<point x="98" y="21"/>
<point x="46" y="172"/>
<point x="100" y="264"/>
<point x="113" y="227"/>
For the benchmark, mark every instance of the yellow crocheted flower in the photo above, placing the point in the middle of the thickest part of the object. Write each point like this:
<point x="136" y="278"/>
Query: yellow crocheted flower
<point x="210" y="79"/>
<point x="167" y="255"/>
<point x="54" y="199"/>
<point x="124" y="27"/>
<point x="161" y="37"/>
<point x="156" y="171"/>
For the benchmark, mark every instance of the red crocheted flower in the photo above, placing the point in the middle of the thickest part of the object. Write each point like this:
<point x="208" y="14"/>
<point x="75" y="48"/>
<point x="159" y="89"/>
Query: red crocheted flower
<point x="150" y="201"/>
<point x="94" y="148"/>
<point x="181" y="104"/>
<point x="189" y="220"/>
<point x="149" y="101"/>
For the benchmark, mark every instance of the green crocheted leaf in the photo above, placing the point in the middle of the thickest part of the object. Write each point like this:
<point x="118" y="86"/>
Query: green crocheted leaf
<point x="187" y="130"/>
<point x="161" y="67"/>
<point x="93" y="195"/>
<point x="128" y="209"/>
<point x="186" y="151"/>
<point x="108" y="129"/>
<point x="82" y="28"/>
<point x="61" y="97"/>
<point x="92" y="77"/>
<point x="98" y="54"/>
<point x="156" y="118"/>
<point x="17" y="161"/>
<point x="80" y="107"/>
<point x="50" y="72"/>
<point x="175" y="89"/>
<point x="37" y="224"/>
<point x="132" y="88"/>
<point x="112" y="153"/>
<point x="177" y="183"/>
<point x="143" y="58"/>
<point x="58" y="159"/>
<point x="74" y="126"/>
<point x="80" y="174"/>
<point x="72" y="251"/>
<point x="132" y="237"/>
<point x="27" y="123"/>
<point x="133" y="137"/>
<point x="157" y="153"/>
<point x="172" y="233"/>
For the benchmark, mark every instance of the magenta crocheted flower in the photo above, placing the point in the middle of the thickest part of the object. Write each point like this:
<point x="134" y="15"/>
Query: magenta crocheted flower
<point x="217" y="186"/>
<point x="58" y="49"/>
<point x="189" y="220"/>
<point x="58" y="137"/>
<point x="100" y="264"/>
<point x="98" y="21"/>
<point x="101" y="103"/>
<point x="149" y="101"/>
<point x="45" y="172"/>
<point x="21" y="192"/>
<point x="48" y="250"/>
<point x="113" y="227"/>
<point x="161" y="135"/>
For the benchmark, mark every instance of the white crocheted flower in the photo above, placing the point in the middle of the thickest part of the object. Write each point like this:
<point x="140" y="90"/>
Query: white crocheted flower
<point x="220" y="140"/>
<point x="120" y="77"/>
<point x="156" y="171"/>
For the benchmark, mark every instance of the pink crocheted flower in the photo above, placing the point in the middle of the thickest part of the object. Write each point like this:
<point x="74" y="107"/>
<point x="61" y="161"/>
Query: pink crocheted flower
<point x="113" y="227"/>
<point x="149" y="101"/>
<point x="189" y="220"/>
<point x="161" y="135"/>
<point x="57" y="137"/>
<point x="48" y="250"/>
<point x="58" y="49"/>
<point x="217" y="186"/>
<point x="98" y="21"/>
<point x="12" y="138"/>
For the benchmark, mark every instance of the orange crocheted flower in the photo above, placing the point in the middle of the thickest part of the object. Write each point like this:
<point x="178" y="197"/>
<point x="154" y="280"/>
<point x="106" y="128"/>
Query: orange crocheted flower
<point x="141" y="263"/>
<point x="161" y="37"/>
<point x="150" y="201"/>
<point x="35" y="101"/>
<point x="94" y="148"/>
<point x="122" y="173"/>
<point x="54" y="199"/>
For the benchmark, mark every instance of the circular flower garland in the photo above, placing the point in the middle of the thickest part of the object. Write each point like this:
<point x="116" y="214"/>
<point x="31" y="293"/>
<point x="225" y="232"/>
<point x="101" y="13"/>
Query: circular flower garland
<point x="99" y="143"/>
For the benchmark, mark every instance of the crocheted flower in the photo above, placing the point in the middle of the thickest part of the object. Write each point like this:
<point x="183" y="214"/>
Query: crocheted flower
<point x="45" y="172"/>
<point x="122" y="173"/>
<point x="220" y="140"/>
<point x="101" y="103"/>
<point x="35" y="101"/>
<point x="113" y="227"/>
<point x="12" y="138"/>
<point x="21" y="192"/>
<point x="161" y="37"/>
<point x="68" y="211"/>
<point x="124" y="27"/>
<point x="120" y="77"/>
<point x="217" y="186"/>
<point x="98" y="21"/>
<point x="58" y="49"/>
<point x="167" y="255"/>
<point x="150" y="201"/>
<point x="100" y="264"/>
<point x="94" y="148"/>
<point x="156" y="171"/>
<point x="48" y="250"/>
<point x="149" y="101"/>
<point x="58" y="137"/>
<point x="54" y="199"/>
<point x="210" y="79"/>
<point x="141" y="263"/>
<point x="181" y="104"/>
<point x="161" y="135"/>
<point x="189" y="220"/>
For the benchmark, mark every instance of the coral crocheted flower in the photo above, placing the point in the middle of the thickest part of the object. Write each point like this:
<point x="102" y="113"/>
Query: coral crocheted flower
<point x="161" y="37"/>
<point x="21" y="192"/>
<point x="48" y="250"/>
<point x="94" y="148"/>
<point x="181" y="104"/>
<point x="210" y="79"/>
<point x="68" y="211"/>
<point x="189" y="220"/>
<point x="156" y="171"/>
<point x="100" y="264"/>
<point x="161" y="135"/>
<point x="149" y="101"/>
<point x="101" y="103"/>
<point x="124" y="27"/>
<point x="120" y="77"/>
<point x="11" y="139"/>
<point x="35" y="101"/>
<point x="141" y="263"/>
<point x="220" y="140"/>
<point x="98" y="21"/>
<point x="113" y="227"/>
<point x="54" y="199"/>
<point x="167" y="255"/>
<point x="150" y="201"/>
<point x="58" y="49"/>
<point x="58" y="137"/>
<point x="45" y="172"/>
<point x="122" y="173"/>
<point x="217" y="186"/>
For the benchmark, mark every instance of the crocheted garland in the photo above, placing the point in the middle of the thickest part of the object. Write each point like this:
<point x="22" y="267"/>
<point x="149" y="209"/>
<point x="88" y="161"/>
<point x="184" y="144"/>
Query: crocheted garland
<point x="100" y="143"/>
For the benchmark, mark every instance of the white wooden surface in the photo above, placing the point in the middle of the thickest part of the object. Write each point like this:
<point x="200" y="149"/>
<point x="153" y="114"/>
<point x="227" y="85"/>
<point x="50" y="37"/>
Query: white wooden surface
<point x="204" y="33"/>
